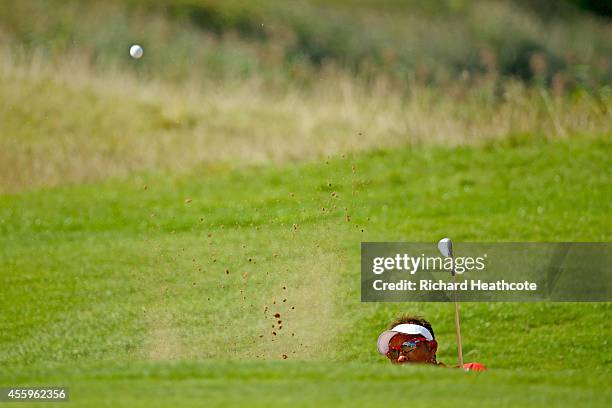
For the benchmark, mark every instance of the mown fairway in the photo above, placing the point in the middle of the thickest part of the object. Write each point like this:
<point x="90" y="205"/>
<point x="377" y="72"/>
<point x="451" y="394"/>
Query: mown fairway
<point x="161" y="289"/>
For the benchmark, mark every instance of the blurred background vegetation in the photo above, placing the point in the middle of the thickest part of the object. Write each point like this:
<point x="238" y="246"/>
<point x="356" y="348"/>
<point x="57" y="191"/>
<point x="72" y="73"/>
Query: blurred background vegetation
<point x="545" y="42"/>
<point x="269" y="80"/>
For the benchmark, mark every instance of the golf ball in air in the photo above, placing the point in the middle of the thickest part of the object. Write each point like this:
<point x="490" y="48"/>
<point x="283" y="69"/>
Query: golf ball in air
<point x="136" y="51"/>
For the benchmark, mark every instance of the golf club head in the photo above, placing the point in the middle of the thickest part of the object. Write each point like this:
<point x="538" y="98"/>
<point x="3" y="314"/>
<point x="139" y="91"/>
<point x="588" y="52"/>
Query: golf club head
<point x="445" y="246"/>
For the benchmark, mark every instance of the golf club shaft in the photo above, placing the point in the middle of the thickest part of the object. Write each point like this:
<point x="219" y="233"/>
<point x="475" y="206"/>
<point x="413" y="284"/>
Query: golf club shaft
<point x="458" y="328"/>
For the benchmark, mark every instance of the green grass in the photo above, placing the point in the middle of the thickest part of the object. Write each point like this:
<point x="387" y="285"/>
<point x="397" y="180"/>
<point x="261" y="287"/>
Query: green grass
<point x="433" y="42"/>
<point x="119" y="288"/>
<point x="156" y="214"/>
<point x="328" y="384"/>
<point x="67" y="122"/>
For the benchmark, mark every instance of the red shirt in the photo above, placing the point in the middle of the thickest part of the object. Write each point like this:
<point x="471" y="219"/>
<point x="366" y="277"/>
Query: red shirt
<point x="474" y="367"/>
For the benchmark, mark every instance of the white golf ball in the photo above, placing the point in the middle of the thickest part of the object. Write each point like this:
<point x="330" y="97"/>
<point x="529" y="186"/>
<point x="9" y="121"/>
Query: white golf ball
<point x="136" y="51"/>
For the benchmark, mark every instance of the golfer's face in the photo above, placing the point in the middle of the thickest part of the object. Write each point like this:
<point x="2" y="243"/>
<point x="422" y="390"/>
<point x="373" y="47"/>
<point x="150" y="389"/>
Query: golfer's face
<point x="422" y="353"/>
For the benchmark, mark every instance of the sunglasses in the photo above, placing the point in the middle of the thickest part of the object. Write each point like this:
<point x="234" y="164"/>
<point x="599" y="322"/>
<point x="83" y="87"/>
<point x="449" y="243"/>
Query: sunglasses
<point x="404" y="348"/>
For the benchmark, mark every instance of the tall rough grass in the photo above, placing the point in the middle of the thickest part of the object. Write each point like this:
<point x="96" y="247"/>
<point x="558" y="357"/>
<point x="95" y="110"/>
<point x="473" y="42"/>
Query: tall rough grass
<point x="432" y="42"/>
<point x="68" y="122"/>
<point x="252" y="82"/>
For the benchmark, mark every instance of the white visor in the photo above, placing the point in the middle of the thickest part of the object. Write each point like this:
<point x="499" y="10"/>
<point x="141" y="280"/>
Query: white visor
<point x="407" y="328"/>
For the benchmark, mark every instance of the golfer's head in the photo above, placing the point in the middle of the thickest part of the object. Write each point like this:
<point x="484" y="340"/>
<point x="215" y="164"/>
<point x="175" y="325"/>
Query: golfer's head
<point x="410" y="339"/>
